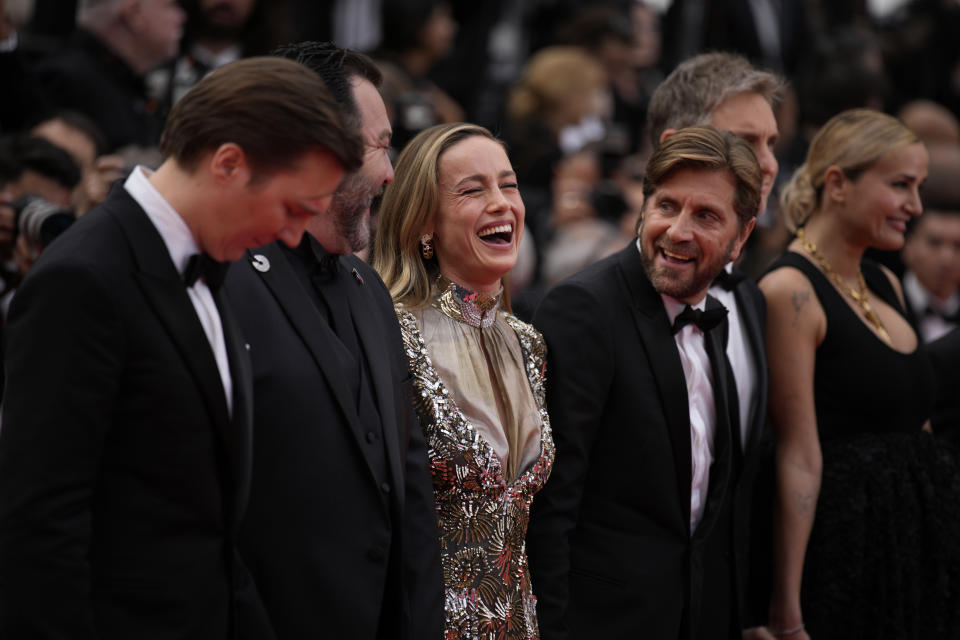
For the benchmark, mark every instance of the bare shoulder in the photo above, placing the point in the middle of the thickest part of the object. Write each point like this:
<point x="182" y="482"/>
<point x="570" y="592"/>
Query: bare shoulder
<point x="792" y="302"/>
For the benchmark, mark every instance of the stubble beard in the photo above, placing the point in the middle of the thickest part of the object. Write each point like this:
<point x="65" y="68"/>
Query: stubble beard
<point x="664" y="278"/>
<point x="350" y="207"/>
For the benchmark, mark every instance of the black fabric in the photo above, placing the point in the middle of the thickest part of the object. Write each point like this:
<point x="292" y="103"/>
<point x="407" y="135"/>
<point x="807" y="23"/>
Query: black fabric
<point x="609" y="543"/>
<point x="200" y="265"/>
<point x="729" y="279"/>
<point x="882" y="560"/>
<point x="704" y="320"/>
<point x="116" y="433"/>
<point x="340" y="534"/>
<point x="860" y="383"/>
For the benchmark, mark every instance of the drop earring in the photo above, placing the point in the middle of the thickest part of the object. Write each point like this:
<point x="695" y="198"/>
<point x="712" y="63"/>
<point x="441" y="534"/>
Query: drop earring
<point x="426" y="247"/>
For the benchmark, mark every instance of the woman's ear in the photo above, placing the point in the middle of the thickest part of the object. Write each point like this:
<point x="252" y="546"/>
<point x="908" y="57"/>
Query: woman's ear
<point x="835" y="185"/>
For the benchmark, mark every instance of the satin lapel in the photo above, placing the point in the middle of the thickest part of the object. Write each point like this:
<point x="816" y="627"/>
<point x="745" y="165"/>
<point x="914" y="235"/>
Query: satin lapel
<point x="242" y="420"/>
<point x="651" y="320"/>
<point x="164" y="291"/>
<point x="363" y="308"/>
<point x="755" y="330"/>
<point x="313" y="329"/>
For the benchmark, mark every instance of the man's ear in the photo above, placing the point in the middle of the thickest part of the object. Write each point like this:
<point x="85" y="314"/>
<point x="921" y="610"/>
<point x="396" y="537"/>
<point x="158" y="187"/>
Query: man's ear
<point x="229" y="165"/>
<point x="741" y="240"/>
<point x="666" y="134"/>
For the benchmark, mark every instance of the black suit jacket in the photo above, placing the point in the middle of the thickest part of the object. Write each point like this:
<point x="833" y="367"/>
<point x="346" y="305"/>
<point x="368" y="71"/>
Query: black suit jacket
<point x="122" y="475"/>
<point x="330" y="538"/>
<point x="610" y="549"/>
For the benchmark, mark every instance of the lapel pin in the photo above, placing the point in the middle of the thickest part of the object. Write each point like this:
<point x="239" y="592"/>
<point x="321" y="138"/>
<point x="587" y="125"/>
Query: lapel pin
<point x="260" y="263"/>
<point x="246" y="345"/>
<point x="356" y="274"/>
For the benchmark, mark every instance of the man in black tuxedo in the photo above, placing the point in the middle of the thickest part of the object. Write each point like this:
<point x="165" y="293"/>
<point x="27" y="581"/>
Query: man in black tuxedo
<point x="724" y="90"/>
<point x="632" y="537"/>
<point x="125" y="446"/>
<point x="341" y="533"/>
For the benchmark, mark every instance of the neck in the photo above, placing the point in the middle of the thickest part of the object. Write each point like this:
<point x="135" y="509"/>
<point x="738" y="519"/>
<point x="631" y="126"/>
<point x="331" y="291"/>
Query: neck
<point x="215" y="45"/>
<point x="833" y="243"/>
<point x="179" y="188"/>
<point x="490" y="289"/>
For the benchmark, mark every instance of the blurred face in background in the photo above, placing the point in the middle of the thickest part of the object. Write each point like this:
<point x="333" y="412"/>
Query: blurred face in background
<point x="932" y="252"/>
<point x="225" y="18"/>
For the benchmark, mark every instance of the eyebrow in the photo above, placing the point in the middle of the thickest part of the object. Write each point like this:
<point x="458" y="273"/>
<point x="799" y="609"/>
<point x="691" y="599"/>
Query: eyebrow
<point x="480" y="178"/>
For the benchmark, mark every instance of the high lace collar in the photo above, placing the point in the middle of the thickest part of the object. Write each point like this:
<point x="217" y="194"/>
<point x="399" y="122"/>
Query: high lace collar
<point x="470" y="307"/>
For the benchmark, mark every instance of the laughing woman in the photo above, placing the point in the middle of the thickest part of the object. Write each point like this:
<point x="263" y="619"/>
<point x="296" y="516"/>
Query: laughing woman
<point x="449" y="230"/>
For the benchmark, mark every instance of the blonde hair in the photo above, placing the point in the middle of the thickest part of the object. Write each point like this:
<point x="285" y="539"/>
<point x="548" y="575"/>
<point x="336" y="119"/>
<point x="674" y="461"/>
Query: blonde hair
<point x="550" y="78"/>
<point x="409" y="206"/>
<point x="853" y="141"/>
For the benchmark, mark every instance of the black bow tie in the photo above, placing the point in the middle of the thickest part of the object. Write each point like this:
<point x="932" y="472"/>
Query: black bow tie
<point x="200" y="265"/>
<point x="728" y="280"/>
<point x="947" y="317"/>
<point x="704" y="320"/>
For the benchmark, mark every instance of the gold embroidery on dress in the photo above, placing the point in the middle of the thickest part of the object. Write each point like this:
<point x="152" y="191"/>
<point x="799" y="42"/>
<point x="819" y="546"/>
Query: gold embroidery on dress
<point x="482" y="518"/>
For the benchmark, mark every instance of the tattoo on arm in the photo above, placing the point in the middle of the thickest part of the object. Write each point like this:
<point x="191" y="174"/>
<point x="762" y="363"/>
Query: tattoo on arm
<point x="805" y="503"/>
<point x="798" y="298"/>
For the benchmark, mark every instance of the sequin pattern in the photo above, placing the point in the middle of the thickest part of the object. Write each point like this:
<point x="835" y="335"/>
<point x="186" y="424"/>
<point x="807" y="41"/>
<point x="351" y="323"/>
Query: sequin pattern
<point x="482" y="519"/>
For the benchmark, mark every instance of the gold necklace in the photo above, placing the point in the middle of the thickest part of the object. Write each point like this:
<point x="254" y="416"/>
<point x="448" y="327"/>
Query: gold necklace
<point x="860" y="297"/>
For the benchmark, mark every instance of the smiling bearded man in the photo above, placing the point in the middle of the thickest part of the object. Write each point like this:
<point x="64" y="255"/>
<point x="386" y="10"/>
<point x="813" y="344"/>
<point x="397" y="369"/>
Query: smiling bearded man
<point x="634" y="534"/>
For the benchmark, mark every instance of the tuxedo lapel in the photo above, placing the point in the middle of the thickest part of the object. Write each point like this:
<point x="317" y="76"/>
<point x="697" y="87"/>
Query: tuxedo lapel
<point x="755" y="331"/>
<point x="373" y="345"/>
<point x="165" y="292"/>
<point x="313" y="329"/>
<point x="242" y="419"/>
<point x="653" y="326"/>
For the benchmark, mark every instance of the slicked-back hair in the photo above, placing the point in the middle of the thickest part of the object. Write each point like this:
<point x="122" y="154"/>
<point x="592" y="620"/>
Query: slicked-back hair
<point x="337" y="67"/>
<point x="276" y="110"/>
<point x="711" y="149"/>
<point x="410" y="205"/>
<point x="689" y="95"/>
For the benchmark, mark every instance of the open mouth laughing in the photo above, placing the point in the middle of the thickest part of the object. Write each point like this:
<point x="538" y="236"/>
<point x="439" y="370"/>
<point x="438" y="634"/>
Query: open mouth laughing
<point x="500" y="234"/>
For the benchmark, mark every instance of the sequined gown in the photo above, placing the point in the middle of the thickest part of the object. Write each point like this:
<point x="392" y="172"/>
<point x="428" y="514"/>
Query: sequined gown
<point x="479" y="379"/>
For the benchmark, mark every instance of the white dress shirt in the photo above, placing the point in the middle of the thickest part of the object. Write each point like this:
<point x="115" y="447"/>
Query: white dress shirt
<point x="741" y="359"/>
<point x="181" y="245"/>
<point x="703" y="413"/>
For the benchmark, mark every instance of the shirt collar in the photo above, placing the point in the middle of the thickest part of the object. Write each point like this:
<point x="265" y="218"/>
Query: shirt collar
<point x="173" y="230"/>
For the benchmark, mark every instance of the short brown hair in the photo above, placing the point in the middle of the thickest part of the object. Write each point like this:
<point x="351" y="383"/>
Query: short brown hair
<point x="709" y="148"/>
<point x="689" y="95"/>
<point x="276" y="110"/>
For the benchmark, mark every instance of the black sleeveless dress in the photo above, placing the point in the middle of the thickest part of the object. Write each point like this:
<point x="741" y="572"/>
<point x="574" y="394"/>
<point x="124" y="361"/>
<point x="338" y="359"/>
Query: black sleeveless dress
<point x="883" y="559"/>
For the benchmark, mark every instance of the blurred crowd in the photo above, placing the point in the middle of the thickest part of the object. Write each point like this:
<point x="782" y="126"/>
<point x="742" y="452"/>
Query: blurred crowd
<point x="565" y="83"/>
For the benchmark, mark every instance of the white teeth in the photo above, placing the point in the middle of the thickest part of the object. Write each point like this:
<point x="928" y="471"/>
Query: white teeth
<point x="500" y="228"/>
<point x="674" y="255"/>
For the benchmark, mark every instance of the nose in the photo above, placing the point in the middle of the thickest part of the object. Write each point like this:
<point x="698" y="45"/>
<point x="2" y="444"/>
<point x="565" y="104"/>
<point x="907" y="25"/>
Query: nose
<point x="498" y="201"/>
<point x="388" y="172"/>
<point x="768" y="163"/>
<point x="681" y="229"/>
<point x="914" y="206"/>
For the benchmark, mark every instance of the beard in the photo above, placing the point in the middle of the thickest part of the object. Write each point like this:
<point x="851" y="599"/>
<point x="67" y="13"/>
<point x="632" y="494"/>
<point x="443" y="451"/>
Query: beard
<point x="350" y="208"/>
<point x="669" y="281"/>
